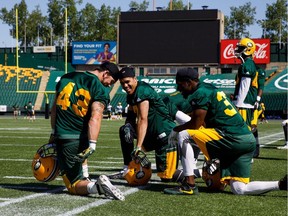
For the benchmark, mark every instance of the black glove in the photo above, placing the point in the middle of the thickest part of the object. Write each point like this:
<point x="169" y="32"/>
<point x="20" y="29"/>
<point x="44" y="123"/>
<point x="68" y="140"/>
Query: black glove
<point x="128" y="136"/>
<point x="136" y="151"/>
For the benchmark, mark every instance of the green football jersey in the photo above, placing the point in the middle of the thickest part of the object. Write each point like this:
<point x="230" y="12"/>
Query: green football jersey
<point x="261" y="77"/>
<point x="175" y="102"/>
<point x="160" y="122"/>
<point x="248" y="69"/>
<point x="221" y="113"/>
<point x="30" y="107"/>
<point x="76" y="92"/>
<point x="180" y="102"/>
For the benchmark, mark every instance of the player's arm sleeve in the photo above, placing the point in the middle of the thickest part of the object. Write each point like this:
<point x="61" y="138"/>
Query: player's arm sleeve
<point x="181" y="117"/>
<point x="243" y="89"/>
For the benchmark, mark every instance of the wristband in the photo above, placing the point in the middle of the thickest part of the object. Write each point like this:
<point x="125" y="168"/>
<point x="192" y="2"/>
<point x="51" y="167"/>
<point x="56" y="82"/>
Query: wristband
<point x="92" y="144"/>
<point x="258" y="98"/>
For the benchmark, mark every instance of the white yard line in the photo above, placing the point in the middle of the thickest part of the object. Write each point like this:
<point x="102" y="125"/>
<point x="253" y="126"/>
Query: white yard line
<point x="272" y="135"/>
<point x="32" y="196"/>
<point x="95" y="204"/>
<point x="279" y="136"/>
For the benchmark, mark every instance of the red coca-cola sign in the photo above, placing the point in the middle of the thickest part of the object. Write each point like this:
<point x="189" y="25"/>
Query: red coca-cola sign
<point x="261" y="55"/>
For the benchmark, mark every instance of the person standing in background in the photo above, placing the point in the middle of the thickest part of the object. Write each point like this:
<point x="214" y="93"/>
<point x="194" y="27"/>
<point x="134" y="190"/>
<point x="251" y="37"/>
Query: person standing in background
<point x="246" y="97"/>
<point x="15" y="111"/>
<point x="109" y="111"/>
<point x="30" y="111"/>
<point x="119" y="110"/>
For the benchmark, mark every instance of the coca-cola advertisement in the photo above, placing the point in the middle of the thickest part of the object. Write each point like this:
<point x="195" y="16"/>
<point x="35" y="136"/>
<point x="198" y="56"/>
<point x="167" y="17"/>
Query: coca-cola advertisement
<point x="261" y="55"/>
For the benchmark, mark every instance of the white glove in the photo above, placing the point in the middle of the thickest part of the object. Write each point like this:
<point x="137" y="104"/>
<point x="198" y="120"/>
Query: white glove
<point x="256" y="105"/>
<point x="213" y="166"/>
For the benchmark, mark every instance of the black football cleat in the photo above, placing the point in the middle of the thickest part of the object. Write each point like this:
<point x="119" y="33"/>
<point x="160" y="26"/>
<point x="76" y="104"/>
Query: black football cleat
<point x="283" y="183"/>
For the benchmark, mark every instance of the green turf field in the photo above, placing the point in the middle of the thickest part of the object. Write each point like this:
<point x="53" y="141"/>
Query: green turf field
<point x="21" y="194"/>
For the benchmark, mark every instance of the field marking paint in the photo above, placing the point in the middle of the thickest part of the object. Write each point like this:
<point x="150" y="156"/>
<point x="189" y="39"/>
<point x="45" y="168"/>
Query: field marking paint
<point x="27" y="160"/>
<point x="26" y="178"/>
<point x="10" y="159"/>
<point x="32" y="196"/>
<point x="14" y="129"/>
<point x="273" y="141"/>
<point x="271" y="135"/>
<point x="96" y="203"/>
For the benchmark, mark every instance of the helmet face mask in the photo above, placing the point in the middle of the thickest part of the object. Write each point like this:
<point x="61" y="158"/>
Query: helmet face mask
<point x="245" y="47"/>
<point x="139" y="171"/>
<point x="45" y="166"/>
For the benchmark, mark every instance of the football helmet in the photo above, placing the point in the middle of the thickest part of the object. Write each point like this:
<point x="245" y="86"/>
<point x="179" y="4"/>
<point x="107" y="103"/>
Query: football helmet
<point x="45" y="166"/>
<point x="139" y="170"/>
<point x="245" y="46"/>
<point x="211" y="174"/>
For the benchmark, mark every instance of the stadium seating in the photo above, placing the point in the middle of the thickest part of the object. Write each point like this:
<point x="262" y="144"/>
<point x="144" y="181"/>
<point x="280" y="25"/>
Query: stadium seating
<point x="29" y="80"/>
<point x="270" y="73"/>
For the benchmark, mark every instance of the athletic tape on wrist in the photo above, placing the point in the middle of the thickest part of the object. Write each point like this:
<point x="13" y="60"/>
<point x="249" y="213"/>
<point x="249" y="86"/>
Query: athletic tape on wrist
<point x="92" y="144"/>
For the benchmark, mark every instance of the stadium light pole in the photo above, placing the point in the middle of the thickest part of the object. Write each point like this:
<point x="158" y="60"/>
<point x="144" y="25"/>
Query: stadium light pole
<point x="17" y="60"/>
<point x="280" y="33"/>
<point x="264" y="28"/>
<point x="66" y="40"/>
<point x="25" y="26"/>
<point x="38" y="29"/>
<point x="51" y="35"/>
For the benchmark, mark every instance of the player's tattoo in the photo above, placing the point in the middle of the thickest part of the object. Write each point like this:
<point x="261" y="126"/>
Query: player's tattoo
<point x="98" y="107"/>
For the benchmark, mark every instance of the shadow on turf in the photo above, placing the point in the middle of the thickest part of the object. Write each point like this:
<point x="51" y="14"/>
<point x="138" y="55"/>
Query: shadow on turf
<point x="269" y="158"/>
<point x="32" y="187"/>
<point x="156" y="185"/>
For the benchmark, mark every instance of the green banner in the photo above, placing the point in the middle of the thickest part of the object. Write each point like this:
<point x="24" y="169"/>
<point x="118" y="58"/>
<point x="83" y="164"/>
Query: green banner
<point x="162" y="85"/>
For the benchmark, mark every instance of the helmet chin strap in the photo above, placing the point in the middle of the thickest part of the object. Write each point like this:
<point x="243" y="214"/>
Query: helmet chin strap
<point x="242" y="59"/>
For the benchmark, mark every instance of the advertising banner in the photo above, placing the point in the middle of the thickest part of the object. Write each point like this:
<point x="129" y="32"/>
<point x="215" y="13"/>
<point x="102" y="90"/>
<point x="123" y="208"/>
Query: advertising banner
<point x="88" y="52"/>
<point x="44" y="49"/>
<point x="261" y="55"/>
<point x="163" y="85"/>
<point x="224" y="82"/>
